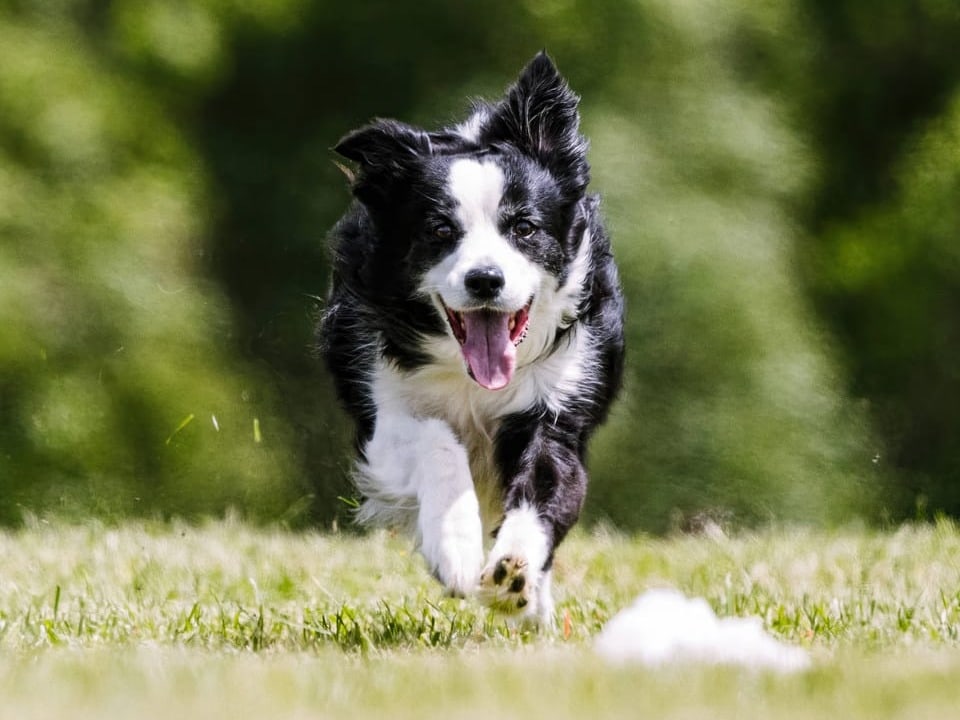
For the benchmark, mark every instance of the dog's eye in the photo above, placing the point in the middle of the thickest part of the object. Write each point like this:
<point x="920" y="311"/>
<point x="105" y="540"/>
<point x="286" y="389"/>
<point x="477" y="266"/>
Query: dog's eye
<point x="443" y="231"/>
<point x="524" y="229"/>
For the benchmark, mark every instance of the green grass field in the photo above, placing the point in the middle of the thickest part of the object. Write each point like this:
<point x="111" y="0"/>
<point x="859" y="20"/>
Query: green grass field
<point x="229" y="621"/>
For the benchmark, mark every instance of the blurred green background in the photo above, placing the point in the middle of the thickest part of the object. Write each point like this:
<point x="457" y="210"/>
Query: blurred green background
<point x="781" y="179"/>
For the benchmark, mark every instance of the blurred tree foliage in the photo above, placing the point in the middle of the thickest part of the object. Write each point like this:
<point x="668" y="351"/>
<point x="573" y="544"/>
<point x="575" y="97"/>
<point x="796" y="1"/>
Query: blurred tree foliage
<point x="881" y="262"/>
<point x="119" y="390"/>
<point x="166" y="186"/>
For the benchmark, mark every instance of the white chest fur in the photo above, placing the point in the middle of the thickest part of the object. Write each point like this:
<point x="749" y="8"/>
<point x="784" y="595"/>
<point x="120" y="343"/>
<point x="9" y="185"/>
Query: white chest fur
<point x="442" y="390"/>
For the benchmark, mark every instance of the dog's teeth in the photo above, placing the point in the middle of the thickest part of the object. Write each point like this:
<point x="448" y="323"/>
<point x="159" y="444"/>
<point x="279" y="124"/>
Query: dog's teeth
<point x="513" y="323"/>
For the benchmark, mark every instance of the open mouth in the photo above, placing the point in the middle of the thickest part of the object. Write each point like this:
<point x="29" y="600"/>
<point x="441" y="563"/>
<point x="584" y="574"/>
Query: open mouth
<point x="516" y="323"/>
<point x="488" y="340"/>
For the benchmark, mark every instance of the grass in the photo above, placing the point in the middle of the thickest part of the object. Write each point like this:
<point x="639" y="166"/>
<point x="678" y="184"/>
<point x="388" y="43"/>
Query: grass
<point x="225" y="620"/>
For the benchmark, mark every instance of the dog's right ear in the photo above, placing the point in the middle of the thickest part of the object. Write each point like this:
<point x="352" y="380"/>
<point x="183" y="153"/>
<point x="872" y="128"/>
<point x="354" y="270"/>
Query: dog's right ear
<point x="386" y="152"/>
<point x="384" y="146"/>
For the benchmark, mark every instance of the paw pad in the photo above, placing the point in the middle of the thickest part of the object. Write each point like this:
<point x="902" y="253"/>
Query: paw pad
<point x="504" y="584"/>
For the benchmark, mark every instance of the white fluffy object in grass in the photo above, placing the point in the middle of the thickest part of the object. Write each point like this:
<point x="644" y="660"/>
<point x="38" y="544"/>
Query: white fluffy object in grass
<point x="663" y="627"/>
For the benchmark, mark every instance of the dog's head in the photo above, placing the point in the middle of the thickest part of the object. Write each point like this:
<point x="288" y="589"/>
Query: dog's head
<point x="483" y="218"/>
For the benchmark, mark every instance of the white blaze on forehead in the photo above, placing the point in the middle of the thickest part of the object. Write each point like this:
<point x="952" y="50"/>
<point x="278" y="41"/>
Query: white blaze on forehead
<point x="470" y="128"/>
<point x="477" y="187"/>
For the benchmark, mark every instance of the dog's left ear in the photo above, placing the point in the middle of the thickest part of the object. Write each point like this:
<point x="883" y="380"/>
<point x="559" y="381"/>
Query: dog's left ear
<point x="539" y="116"/>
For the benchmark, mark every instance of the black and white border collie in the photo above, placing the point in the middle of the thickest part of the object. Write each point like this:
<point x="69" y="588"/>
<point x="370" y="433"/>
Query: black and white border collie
<point x="474" y="331"/>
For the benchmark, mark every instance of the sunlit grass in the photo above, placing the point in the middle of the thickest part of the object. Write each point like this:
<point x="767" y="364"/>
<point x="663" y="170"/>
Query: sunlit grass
<point x="226" y="620"/>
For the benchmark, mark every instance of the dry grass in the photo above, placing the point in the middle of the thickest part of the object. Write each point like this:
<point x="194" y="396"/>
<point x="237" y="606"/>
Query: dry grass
<point x="225" y="620"/>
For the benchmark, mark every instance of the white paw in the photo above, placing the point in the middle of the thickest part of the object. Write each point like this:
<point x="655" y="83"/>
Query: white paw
<point x="513" y="581"/>
<point x="452" y="543"/>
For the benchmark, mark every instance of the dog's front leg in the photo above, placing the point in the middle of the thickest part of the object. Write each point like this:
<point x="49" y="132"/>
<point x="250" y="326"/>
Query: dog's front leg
<point x="418" y="467"/>
<point x="544" y="488"/>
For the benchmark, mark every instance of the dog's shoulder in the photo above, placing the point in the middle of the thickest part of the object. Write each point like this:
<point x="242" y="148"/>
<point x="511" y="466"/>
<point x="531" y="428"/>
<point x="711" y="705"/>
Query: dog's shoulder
<point x="602" y="311"/>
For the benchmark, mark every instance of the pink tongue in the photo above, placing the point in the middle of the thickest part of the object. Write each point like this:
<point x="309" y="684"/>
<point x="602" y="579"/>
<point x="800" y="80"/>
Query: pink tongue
<point x="488" y="350"/>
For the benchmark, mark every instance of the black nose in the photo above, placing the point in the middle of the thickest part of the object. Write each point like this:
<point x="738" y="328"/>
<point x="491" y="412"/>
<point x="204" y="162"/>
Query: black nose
<point x="484" y="283"/>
